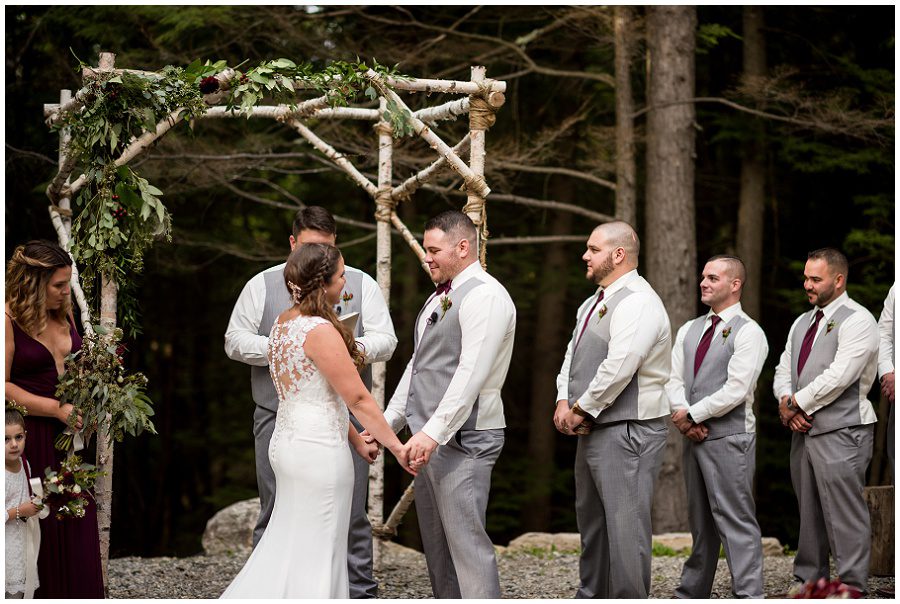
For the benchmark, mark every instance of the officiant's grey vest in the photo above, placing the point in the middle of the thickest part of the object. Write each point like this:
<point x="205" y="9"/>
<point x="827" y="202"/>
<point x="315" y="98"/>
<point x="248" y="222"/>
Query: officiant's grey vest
<point x="713" y="374"/>
<point x="591" y="351"/>
<point x="844" y="411"/>
<point x="277" y="301"/>
<point x="437" y="357"/>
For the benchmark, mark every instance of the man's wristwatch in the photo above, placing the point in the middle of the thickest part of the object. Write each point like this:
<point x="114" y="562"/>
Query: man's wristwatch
<point x="690" y="419"/>
<point x="577" y="410"/>
<point x="790" y="406"/>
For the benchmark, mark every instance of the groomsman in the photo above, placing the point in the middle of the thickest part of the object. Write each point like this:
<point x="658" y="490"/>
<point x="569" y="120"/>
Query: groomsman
<point x="613" y="377"/>
<point x="716" y="361"/>
<point x="827" y="368"/>
<point x="449" y="396"/>
<point x="265" y="297"/>
<point x="886" y="364"/>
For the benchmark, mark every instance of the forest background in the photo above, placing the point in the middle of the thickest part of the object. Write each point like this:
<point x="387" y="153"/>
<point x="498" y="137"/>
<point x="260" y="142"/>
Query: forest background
<point x="795" y="120"/>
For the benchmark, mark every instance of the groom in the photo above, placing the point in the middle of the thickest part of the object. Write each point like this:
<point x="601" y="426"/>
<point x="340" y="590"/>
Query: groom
<point x="265" y="297"/>
<point x="449" y="396"/>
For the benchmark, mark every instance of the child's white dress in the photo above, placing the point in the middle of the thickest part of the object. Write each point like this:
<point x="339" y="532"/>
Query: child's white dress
<point x="22" y="538"/>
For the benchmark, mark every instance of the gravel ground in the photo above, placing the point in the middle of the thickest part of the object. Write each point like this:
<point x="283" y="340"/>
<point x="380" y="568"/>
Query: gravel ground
<point x="403" y="575"/>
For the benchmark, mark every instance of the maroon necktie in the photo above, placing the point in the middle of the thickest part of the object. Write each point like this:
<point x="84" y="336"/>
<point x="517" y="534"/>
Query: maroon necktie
<point x="705" y="341"/>
<point x="442" y="288"/>
<point x="806" y="347"/>
<point x="588" y="318"/>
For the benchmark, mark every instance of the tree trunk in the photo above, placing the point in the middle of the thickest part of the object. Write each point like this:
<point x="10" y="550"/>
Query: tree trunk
<point x="671" y="231"/>
<point x="550" y="341"/>
<point x="626" y="184"/>
<point x="753" y="176"/>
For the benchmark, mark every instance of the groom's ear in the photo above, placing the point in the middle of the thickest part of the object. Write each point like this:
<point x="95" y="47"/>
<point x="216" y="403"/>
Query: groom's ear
<point x="463" y="248"/>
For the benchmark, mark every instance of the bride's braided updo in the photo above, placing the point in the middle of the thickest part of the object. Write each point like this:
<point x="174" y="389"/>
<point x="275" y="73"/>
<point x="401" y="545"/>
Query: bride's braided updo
<point x="309" y="268"/>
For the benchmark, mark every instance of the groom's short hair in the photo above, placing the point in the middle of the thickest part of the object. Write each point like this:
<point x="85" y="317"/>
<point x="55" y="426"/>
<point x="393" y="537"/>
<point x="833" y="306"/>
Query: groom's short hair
<point x="314" y="218"/>
<point x="455" y="224"/>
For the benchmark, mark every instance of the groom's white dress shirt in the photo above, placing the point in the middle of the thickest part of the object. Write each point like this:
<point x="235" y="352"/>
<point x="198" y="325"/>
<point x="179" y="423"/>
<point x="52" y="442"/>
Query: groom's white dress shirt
<point x="487" y="318"/>
<point x="639" y="344"/>
<point x="744" y="367"/>
<point x="856" y="359"/>
<point x="243" y="342"/>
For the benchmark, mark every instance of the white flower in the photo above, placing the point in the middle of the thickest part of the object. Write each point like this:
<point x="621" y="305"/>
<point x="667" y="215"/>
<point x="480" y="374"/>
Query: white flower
<point x="76" y="489"/>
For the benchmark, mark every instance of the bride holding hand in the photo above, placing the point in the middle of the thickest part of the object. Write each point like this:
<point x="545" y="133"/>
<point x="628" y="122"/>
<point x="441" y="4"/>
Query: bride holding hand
<point x="314" y="363"/>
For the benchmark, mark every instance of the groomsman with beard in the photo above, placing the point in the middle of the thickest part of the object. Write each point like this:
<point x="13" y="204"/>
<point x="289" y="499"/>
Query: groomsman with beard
<point x="716" y="361"/>
<point x="613" y="378"/>
<point x="827" y="368"/>
<point x="265" y="297"/>
<point x="449" y="396"/>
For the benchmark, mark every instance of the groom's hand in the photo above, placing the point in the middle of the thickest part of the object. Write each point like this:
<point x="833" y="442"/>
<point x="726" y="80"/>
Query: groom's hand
<point x="421" y="446"/>
<point x="369" y="438"/>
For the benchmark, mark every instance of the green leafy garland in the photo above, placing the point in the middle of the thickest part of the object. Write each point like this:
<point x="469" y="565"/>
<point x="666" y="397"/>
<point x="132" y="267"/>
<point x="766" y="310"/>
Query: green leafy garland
<point x="119" y="214"/>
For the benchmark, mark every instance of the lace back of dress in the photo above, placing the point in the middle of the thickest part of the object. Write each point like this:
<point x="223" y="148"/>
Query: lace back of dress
<point x="289" y="366"/>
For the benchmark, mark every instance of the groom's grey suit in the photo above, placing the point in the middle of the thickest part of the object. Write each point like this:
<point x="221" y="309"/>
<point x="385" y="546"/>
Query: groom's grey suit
<point x="451" y="392"/>
<point x="277" y="300"/>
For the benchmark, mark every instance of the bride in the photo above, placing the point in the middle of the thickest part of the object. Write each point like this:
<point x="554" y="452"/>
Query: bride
<point x="313" y="361"/>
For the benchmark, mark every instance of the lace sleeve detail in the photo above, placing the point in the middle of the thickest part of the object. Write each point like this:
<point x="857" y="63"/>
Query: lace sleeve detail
<point x="288" y="363"/>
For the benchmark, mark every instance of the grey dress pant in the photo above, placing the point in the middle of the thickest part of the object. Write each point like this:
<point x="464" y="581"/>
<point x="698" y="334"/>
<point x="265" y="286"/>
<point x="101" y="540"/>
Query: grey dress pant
<point x="828" y="472"/>
<point x="451" y="505"/>
<point x="616" y="466"/>
<point x="359" y="539"/>
<point x="718" y="475"/>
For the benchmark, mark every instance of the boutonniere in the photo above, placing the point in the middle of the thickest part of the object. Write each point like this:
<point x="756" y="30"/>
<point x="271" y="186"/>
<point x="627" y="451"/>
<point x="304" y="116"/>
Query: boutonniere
<point x="602" y="312"/>
<point x="725" y="333"/>
<point x="347" y="297"/>
<point x="446" y="303"/>
<point x="830" y="326"/>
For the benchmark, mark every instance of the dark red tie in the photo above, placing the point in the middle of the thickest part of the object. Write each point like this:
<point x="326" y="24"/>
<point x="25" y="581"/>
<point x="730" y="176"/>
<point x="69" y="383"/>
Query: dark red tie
<point x="705" y="341"/>
<point x="442" y="288"/>
<point x="588" y="318"/>
<point x="806" y="347"/>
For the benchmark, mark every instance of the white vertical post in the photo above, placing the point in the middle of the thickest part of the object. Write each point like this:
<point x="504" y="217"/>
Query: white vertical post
<point x="383" y="210"/>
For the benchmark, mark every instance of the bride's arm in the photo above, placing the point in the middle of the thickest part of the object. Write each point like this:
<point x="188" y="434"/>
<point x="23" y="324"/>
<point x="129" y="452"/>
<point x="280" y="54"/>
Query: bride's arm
<point x="326" y="349"/>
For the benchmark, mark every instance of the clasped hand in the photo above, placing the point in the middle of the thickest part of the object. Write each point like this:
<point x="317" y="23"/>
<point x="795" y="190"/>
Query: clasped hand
<point x="565" y="419"/>
<point x="798" y="420"/>
<point x="695" y="432"/>
<point x="412" y="456"/>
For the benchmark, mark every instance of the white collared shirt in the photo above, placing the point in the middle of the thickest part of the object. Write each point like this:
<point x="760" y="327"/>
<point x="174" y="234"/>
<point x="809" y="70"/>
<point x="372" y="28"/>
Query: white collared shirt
<point x="744" y="367"/>
<point x="639" y="343"/>
<point x="487" y="321"/>
<point x="886" y="336"/>
<point x="856" y="359"/>
<point x="243" y="342"/>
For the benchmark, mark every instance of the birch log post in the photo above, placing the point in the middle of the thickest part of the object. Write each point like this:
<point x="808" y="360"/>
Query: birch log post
<point x="384" y="207"/>
<point x="104" y="486"/>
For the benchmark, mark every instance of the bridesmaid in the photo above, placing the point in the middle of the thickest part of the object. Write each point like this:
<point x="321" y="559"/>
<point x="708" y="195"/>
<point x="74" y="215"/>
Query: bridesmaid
<point x="40" y="332"/>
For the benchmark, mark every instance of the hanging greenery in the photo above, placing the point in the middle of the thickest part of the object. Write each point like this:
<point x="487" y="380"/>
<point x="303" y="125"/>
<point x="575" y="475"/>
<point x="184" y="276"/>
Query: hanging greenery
<point x="118" y="214"/>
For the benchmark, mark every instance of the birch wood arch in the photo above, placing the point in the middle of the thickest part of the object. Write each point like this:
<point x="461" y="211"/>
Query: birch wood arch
<point x="480" y="98"/>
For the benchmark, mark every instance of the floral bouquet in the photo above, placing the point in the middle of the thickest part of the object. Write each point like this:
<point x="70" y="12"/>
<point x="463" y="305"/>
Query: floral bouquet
<point x="67" y="491"/>
<point x="822" y="588"/>
<point x="96" y="385"/>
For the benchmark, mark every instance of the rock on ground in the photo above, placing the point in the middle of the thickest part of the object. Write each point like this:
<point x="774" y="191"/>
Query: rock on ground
<point x="537" y="574"/>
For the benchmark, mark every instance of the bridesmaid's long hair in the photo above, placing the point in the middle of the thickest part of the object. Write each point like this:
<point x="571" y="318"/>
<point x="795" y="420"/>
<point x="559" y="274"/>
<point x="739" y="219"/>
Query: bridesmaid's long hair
<point x="309" y="268"/>
<point x="28" y="273"/>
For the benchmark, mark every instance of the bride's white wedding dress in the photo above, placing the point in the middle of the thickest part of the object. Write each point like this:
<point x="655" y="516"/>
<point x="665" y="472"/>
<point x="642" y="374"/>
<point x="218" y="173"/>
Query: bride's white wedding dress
<point x="303" y="553"/>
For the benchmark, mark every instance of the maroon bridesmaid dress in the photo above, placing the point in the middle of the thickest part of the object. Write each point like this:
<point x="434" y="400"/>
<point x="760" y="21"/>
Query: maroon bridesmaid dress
<point x="69" y="558"/>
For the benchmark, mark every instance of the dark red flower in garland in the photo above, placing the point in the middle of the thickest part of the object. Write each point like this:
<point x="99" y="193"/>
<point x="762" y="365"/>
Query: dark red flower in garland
<point x="209" y="85"/>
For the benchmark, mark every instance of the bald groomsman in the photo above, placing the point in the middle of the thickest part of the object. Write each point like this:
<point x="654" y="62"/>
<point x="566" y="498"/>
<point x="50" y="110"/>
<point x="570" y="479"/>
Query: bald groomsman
<point x="827" y="368"/>
<point x="613" y="377"/>
<point x="716" y="361"/>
